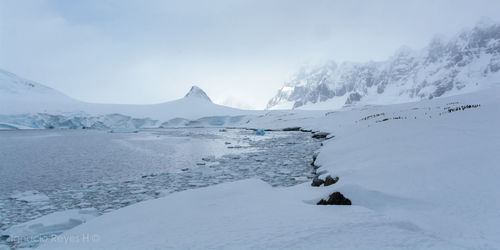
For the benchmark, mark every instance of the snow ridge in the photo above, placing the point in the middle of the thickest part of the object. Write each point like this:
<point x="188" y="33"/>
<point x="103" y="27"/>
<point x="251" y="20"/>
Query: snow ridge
<point x="15" y="88"/>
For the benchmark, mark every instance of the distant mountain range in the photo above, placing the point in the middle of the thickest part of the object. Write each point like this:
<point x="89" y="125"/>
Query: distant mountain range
<point x="468" y="61"/>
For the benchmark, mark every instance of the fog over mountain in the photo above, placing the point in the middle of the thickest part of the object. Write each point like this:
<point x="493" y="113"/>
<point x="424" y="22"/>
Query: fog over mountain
<point x="464" y="63"/>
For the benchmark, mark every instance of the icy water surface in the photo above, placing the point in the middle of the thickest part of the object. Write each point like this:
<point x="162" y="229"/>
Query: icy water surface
<point x="107" y="171"/>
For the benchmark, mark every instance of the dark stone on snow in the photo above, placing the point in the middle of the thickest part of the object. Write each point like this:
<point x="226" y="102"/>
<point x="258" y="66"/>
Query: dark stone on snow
<point x="320" y="135"/>
<point x="322" y="202"/>
<point x="314" y="160"/>
<point x="335" y="199"/>
<point x="329" y="180"/>
<point x="292" y="129"/>
<point x="316" y="182"/>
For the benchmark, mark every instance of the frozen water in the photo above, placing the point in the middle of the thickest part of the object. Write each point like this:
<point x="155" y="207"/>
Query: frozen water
<point x="75" y="169"/>
<point x="30" y="233"/>
<point x="51" y="159"/>
<point x="30" y="196"/>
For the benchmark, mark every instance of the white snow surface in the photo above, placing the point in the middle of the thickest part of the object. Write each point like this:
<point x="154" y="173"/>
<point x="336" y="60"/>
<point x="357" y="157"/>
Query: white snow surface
<point x="246" y="214"/>
<point x="419" y="177"/>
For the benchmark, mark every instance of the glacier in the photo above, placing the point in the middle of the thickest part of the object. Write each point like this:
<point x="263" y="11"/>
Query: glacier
<point x="75" y="121"/>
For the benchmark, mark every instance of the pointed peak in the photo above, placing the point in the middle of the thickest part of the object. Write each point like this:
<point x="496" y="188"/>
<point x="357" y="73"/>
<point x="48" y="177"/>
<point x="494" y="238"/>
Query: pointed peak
<point x="197" y="92"/>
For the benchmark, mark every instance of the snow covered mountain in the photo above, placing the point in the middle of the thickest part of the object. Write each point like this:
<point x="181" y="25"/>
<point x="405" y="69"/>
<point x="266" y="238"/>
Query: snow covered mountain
<point x="28" y="104"/>
<point x="19" y="95"/>
<point x="196" y="92"/>
<point x="465" y="63"/>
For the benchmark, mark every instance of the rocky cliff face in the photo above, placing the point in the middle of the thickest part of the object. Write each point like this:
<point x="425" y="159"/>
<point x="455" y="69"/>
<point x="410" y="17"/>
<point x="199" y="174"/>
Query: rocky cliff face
<point x="464" y="63"/>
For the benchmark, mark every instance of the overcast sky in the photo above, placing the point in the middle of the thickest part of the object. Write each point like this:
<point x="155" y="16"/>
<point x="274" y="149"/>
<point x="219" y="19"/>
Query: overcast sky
<point x="239" y="52"/>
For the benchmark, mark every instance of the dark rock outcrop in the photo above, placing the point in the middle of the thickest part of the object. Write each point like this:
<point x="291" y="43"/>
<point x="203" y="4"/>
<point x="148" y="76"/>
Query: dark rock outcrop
<point x="313" y="163"/>
<point x="329" y="180"/>
<point x="335" y="199"/>
<point x="292" y="129"/>
<point x="320" y="135"/>
<point x="316" y="182"/>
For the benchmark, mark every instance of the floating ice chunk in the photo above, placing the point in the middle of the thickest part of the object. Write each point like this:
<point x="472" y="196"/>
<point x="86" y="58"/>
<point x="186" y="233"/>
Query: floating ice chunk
<point x="50" y="224"/>
<point x="30" y="196"/>
<point x="260" y="132"/>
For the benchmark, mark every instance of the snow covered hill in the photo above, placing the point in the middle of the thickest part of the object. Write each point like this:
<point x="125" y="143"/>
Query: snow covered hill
<point x="27" y="104"/>
<point x="465" y="63"/>
<point x="19" y="95"/>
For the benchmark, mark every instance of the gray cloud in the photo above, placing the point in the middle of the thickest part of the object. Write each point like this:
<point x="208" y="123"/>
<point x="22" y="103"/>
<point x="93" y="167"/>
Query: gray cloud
<point x="240" y="52"/>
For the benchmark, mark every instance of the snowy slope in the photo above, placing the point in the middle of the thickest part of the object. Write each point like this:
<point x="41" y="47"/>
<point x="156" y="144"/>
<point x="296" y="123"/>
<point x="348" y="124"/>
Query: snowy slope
<point x="19" y="96"/>
<point x="420" y="175"/>
<point x="465" y="63"/>
<point x="247" y="214"/>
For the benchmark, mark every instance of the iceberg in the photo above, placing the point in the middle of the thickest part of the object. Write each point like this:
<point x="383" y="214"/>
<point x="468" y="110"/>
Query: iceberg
<point x="260" y="132"/>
